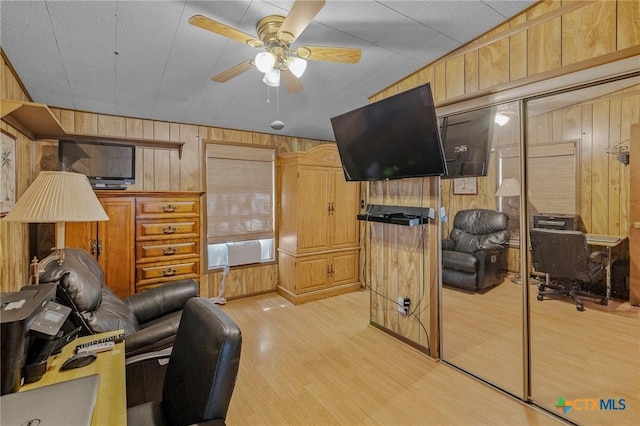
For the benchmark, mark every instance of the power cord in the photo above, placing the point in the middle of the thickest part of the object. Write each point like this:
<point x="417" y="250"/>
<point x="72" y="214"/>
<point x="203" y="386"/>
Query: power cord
<point x="220" y="300"/>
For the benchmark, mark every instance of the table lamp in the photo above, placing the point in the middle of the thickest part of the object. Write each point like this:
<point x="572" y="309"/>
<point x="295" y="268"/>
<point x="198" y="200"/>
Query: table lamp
<point x="57" y="197"/>
<point x="509" y="187"/>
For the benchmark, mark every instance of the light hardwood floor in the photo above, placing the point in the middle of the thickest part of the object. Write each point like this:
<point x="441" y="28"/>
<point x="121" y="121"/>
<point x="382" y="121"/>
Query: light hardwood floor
<point x="592" y="354"/>
<point x="320" y="363"/>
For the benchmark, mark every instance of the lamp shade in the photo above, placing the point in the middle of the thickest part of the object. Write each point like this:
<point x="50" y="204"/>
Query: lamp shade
<point x="509" y="187"/>
<point x="58" y="197"/>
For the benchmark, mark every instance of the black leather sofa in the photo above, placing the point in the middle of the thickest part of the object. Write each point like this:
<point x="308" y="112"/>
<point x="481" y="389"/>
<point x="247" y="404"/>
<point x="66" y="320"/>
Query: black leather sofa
<point x="149" y="319"/>
<point x="474" y="255"/>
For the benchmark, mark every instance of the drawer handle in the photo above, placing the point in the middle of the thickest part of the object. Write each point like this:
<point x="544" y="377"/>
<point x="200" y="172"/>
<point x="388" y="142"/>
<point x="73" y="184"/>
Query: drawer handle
<point x="169" y="229"/>
<point x="169" y="272"/>
<point x="169" y="208"/>
<point x="169" y="250"/>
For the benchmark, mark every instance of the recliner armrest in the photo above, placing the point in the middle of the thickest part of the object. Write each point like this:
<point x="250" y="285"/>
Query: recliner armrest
<point x="491" y="247"/>
<point x="448" y="244"/>
<point x="156" y="302"/>
<point x="154" y="335"/>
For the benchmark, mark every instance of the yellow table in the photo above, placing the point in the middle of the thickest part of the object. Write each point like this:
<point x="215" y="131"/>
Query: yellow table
<point x="111" y="403"/>
<point x="608" y="242"/>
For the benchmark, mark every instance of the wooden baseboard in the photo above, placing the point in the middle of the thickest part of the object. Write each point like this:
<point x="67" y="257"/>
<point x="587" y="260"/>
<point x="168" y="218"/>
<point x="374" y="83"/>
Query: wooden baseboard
<point x="298" y="299"/>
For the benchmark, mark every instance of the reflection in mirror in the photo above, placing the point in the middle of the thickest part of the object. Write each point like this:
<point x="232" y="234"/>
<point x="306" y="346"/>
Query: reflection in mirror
<point x="585" y="365"/>
<point x="481" y="305"/>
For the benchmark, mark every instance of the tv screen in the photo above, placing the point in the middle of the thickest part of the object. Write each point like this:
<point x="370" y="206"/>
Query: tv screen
<point x="466" y="139"/>
<point x="104" y="163"/>
<point x="397" y="137"/>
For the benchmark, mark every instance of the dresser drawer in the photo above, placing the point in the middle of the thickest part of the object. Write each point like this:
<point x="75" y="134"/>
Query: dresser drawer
<point x="155" y="208"/>
<point x="164" y="272"/>
<point x="162" y="229"/>
<point x="160" y="251"/>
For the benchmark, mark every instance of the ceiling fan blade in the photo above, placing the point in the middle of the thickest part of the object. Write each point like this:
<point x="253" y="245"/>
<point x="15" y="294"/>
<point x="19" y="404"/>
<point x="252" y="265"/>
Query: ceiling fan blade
<point x="233" y="71"/>
<point x="224" y="30"/>
<point x="291" y="81"/>
<point x="349" y="55"/>
<point x="300" y="16"/>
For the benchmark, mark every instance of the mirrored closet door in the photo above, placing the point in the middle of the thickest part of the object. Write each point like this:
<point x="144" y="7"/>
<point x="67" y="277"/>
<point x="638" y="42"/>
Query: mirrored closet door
<point x="482" y="310"/>
<point x="585" y="363"/>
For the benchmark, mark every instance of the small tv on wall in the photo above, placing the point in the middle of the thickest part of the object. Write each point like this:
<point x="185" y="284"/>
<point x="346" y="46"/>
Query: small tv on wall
<point x="108" y="165"/>
<point x="396" y="137"/>
<point x="466" y="138"/>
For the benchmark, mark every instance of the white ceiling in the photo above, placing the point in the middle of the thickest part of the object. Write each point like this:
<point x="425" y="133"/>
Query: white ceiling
<point x="63" y="52"/>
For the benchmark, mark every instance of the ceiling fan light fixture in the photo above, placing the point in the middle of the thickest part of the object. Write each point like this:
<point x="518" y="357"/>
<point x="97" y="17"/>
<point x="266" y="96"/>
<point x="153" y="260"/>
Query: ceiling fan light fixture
<point x="296" y="65"/>
<point x="272" y="78"/>
<point x="265" y="61"/>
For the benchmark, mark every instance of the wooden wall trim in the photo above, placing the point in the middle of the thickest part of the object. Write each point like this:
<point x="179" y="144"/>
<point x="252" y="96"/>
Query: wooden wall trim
<point x="544" y="76"/>
<point x="8" y="64"/>
<point x="488" y="38"/>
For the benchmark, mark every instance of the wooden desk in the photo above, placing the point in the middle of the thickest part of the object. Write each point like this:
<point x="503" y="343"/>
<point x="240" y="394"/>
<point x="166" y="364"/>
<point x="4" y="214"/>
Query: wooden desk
<point x="111" y="403"/>
<point x="608" y="242"/>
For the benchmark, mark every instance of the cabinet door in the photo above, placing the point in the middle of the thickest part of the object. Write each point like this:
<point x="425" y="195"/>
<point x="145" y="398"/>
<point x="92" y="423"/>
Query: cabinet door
<point x="344" y="210"/>
<point x="313" y="208"/>
<point x="344" y="268"/>
<point x="312" y="273"/>
<point x="116" y="238"/>
<point x="81" y="235"/>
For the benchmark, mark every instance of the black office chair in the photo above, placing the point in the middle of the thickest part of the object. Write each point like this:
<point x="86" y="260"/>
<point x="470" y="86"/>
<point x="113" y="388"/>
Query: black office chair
<point x="564" y="257"/>
<point x="201" y="373"/>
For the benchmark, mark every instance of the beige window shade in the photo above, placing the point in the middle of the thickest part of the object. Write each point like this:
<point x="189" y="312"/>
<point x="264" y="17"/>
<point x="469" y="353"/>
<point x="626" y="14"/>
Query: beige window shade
<point x="240" y="204"/>
<point x="552" y="175"/>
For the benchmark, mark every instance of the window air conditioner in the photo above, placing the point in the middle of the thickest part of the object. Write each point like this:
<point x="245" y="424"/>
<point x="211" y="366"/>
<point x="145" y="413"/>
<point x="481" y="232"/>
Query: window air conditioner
<point x="243" y="253"/>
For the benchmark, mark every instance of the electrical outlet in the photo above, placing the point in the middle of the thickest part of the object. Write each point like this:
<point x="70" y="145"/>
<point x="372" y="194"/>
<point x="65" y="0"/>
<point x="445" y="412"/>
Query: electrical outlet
<point x="404" y="303"/>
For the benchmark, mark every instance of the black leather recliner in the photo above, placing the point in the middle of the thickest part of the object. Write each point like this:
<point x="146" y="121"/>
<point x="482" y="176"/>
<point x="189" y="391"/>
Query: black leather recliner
<point x="474" y="255"/>
<point x="149" y="319"/>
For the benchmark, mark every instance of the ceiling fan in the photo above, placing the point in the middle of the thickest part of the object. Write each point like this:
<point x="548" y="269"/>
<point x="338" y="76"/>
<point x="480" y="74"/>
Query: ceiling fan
<point x="276" y="34"/>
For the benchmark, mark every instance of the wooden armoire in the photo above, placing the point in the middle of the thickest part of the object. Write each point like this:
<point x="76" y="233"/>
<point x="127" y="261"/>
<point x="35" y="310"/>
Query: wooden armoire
<point x="318" y="234"/>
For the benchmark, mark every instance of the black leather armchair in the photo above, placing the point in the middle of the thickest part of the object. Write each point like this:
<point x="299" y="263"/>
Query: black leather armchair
<point x="201" y="373"/>
<point x="474" y="255"/>
<point x="149" y="319"/>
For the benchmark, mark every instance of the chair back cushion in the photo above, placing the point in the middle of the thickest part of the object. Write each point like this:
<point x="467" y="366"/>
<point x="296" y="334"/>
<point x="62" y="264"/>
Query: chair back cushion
<point x="202" y="370"/>
<point x="80" y="280"/>
<point x="561" y="254"/>
<point x="479" y="228"/>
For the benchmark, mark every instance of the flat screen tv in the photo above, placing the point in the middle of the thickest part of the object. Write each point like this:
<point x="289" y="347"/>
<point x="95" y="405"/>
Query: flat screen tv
<point x="108" y="165"/>
<point x="394" y="138"/>
<point x="466" y="138"/>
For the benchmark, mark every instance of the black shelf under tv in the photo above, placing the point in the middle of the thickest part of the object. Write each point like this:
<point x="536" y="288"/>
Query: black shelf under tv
<point x="397" y="215"/>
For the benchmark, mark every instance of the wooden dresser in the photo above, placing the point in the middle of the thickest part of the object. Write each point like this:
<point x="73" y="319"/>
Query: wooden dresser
<point x="318" y="230"/>
<point x="167" y="239"/>
<point x="151" y="238"/>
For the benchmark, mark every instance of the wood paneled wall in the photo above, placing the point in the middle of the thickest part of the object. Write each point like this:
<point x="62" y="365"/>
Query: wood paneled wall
<point x="158" y="168"/>
<point x="603" y="181"/>
<point x="550" y="39"/>
<point x="14" y="250"/>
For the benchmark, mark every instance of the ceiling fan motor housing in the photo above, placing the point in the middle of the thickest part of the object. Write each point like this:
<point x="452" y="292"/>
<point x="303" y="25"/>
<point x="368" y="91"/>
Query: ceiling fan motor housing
<point x="275" y="41"/>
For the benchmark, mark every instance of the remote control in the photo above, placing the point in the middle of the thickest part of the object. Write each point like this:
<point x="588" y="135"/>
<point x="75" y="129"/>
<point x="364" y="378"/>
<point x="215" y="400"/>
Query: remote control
<point x="116" y="338"/>
<point x="97" y="348"/>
